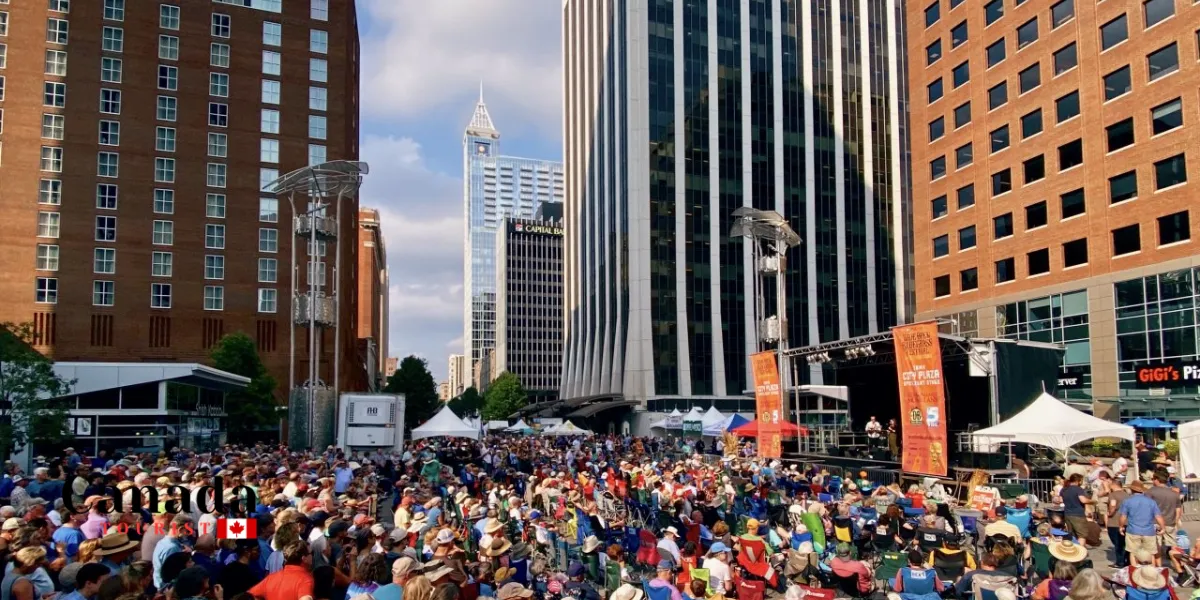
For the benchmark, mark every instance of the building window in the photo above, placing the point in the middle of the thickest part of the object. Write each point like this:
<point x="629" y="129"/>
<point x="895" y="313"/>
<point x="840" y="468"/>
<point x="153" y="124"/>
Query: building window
<point x="268" y="270"/>
<point x="272" y="63"/>
<point x="220" y="25"/>
<point x="168" y="47"/>
<point x="214" y="206"/>
<point x="962" y="115"/>
<point x="941" y="246"/>
<point x="218" y="85"/>
<point x="996" y="53"/>
<point x="108" y="164"/>
<point x="939" y="207"/>
<point x="1000" y="138"/>
<point x="216" y="175"/>
<point x="1157" y="11"/>
<point x="933" y="13"/>
<point x="160" y="295"/>
<point x="1167" y="116"/>
<point x="937" y="168"/>
<point x="114" y="10"/>
<point x="1030" y="78"/>
<point x="317" y="127"/>
<point x="167" y="108"/>
<point x="48" y="224"/>
<point x="218" y="145"/>
<point x="110" y="133"/>
<point x="1067" y="107"/>
<point x="218" y="55"/>
<point x="47" y="257"/>
<point x="46" y="291"/>
<point x="268" y="151"/>
<point x="272" y="34"/>
<point x="317" y="98"/>
<point x="52" y="159"/>
<point x="318" y="41"/>
<point x="958" y="35"/>
<point x="1174" y="228"/>
<point x="1062" y="12"/>
<point x="1006" y="270"/>
<point x="998" y="95"/>
<point x="56" y="63"/>
<point x="62" y="6"/>
<point x="1126" y="240"/>
<point x="50" y="191"/>
<point x="1035" y="215"/>
<point x="214" y="237"/>
<point x="164" y="233"/>
<point x="1001" y="182"/>
<point x="968" y="279"/>
<point x="316" y="154"/>
<point x="1034" y="169"/>
<point x="1120" y="134"/>
<point x="270" y="91"/>
<point x="164" y="201"/>
<point x="1070" y="155"/>
<point x="961" y="74"/>
<point x="966" y="238"/>
<point x="1168" y="172"/>
<point x="268" y="210"/>
<point x="1027" y="33"/>
<point x="1073" y="204"/>
<point x="266" y="177"/>
<point x="110" y="101"/>
<point x="1122" y="187"/>
<point x="54" y="94"/>
<point x="1038" y="262"/>
<point x="962" y="156"/>
<point x="57" y="31"/>
<point x="267" y="300"/>
<point x="214" y="267"/>
<point x="1117" y="83"/>
<point x="269" y="122"/>
<point x="318" y="70"/>
<point x="112" y="39"/>
<point x="941" y="286"/>
<point x="164" y="170"/>
<point x="966" y="196"/>
<point x="992" y="11"/>
<point x="1075" y="253"/>
<point x="933" y="91"/>
<point x="1163" y="62"/>
<point x="104" y="261"/>
<point x="168" y="78"/>
<point x="52" y="126"/>
<point x="218" y="114"/>
<point x="168" y="17"/>
<point x="320" y="10"/>
<point x="268" y="240"/>
<point x="164" y="139"/>
<point x="1031" y="124"/>
<point x="161" y="264"/>
<point x="110" y="69"/>
<point x="1114" y="32"/>
<point x="103" y="293"/>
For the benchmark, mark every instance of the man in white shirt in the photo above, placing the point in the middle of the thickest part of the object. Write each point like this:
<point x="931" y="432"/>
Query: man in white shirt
<point x="670" y="534"/>
<point x="717" y="564"/>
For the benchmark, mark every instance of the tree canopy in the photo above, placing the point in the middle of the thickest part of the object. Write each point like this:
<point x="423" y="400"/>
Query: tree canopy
<point x="467" y="404"/>
<point x="252" y="411"/>
<point x="413" y="379"/>
<point x="32" y="402"/>
<point x="504" y="396"/>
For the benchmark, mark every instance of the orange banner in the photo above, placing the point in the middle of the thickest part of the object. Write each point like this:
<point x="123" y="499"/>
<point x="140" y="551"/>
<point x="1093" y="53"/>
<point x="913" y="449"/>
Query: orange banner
<point x="922" y="399"/>
<point x="768" y="403"/>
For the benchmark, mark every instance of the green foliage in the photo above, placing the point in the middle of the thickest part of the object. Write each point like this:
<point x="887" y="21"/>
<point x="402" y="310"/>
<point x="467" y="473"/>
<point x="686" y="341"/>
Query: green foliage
<point x="1172" y="449"/>
<point x="413" y="379"/>
<point x="504" y="396"/>
<point x="254" y="410"/>
<point x="32" y="403"/>
<point x="467" y="404"/>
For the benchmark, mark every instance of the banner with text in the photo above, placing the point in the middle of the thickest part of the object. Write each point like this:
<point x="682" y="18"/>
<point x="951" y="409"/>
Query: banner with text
<point x="768" y="403"/>
<point x="922" y="399"/>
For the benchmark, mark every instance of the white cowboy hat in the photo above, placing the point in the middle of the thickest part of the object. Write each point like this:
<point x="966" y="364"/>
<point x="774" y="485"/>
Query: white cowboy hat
<point x="1149" y="578"/>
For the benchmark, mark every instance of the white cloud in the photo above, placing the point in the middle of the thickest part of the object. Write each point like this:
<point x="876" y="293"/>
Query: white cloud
<point x="428" y="55"/>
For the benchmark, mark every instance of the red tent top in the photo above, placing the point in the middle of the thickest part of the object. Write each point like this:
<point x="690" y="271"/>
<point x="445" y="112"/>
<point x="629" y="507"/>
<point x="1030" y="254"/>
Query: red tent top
<point x="786" y="428"/>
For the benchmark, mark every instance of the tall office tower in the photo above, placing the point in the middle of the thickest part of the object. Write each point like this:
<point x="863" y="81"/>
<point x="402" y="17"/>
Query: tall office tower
<point x="529" y="294"/>
<point x="494" y="187"/>
<point x="137" y="139"/>
<point x="1069" y="222"/>
<point x="458" y="374"/>
<point x="678" y="112"/>
<point x="372" y="296"/>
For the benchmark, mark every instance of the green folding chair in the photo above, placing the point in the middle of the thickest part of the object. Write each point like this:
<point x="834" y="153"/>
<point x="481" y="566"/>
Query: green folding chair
<point x="612" y="576"/>
<point x="1040" y="554"/>
<point x="890" y="564"/>
<point x="705" y="576"/>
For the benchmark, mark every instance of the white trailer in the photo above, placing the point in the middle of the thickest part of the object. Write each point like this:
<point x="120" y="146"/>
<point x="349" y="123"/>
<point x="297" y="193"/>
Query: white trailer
<point x="371" y="421"/>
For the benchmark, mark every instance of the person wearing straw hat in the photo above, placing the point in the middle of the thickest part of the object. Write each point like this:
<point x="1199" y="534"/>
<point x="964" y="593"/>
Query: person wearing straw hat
<point x="115" y="550"/>
<point x="1068" y="551"/>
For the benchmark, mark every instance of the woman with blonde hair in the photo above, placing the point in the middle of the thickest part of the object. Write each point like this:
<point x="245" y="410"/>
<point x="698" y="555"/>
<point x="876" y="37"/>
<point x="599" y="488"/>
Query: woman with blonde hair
<point x="87" y="551"/>
<point x="18" y="584"/>
<point x="1089" y="586"/>
<point x="417" y="588"/>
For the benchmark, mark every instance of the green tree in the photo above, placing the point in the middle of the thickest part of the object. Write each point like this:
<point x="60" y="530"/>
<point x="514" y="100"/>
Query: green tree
<point x="254" y="410"/>
<point x="468" y="403"/>
<point x="33" y="405"/>
<point x="504" y="396"/>
<point x="413" y="379"/>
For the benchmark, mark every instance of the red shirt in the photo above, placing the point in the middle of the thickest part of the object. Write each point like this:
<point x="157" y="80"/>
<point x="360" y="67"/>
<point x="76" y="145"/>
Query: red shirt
<point x="291" y="583"/>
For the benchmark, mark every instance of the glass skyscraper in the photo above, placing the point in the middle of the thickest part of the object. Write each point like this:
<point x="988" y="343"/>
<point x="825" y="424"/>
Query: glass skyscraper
<point x="677" y="112"/>
<point x="495" y="187"/>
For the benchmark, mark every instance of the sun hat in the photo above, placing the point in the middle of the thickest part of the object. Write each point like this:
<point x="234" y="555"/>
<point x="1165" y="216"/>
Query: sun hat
<point x="378" y="530"/>
<point x="494" y="527"/>
<point x="627" y="592"/>
<point x="1148" y="577"/>
<point x="513" y="590"/>
<point x="520" y="551"/>
<point x="1068" y="551"/>
<point x="671" y="530"/>
<point x="115" y="542"/>
<point x="752" y="526"/>
<point x="498" y="548"/>
<point x="591" y="544"/>
<point x="504" y="573"/>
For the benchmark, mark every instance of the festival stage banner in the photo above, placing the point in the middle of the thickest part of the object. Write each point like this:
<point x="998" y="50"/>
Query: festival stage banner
<point x="768" y="403"/>
<point x="922" y="399"/>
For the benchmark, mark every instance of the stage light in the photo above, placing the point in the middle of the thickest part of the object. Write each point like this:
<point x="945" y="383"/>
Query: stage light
<point x="817" y="358"/>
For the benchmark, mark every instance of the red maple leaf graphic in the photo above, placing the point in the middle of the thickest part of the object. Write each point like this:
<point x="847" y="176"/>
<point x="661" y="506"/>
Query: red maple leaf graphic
<point x="236" y="528"/>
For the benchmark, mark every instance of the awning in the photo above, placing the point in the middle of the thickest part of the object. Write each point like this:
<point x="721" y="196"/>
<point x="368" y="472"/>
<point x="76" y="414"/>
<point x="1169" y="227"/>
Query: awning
<point x="592" y="409"/>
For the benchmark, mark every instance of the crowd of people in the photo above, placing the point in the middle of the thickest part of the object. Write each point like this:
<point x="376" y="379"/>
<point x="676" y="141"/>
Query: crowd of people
<point x="517" y="517"/>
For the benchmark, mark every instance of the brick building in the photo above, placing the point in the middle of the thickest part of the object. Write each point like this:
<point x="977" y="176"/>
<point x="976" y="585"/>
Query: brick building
<point x="1052" y="142"/>
<point x="373" y="295"/>
<point x="136" y="138"/>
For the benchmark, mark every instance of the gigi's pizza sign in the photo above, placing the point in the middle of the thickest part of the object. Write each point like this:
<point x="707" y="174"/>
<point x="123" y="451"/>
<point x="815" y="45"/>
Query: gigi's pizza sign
<point x="1168" y="375"/>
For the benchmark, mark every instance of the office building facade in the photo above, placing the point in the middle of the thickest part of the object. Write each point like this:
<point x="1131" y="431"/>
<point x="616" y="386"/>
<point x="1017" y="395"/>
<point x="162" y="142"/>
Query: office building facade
<point x="529" y="304"/>
<point x="458" y="374"/>
<point x="1052" y="147"/>
<point x="495" y="187"/>
<point x="137" y="138"/>
<point x="373" y="296"/>
<point x="678" y="112"/>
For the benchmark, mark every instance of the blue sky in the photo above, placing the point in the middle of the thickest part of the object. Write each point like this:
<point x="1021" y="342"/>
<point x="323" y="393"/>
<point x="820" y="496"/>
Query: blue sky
<point x="422" y="63"/>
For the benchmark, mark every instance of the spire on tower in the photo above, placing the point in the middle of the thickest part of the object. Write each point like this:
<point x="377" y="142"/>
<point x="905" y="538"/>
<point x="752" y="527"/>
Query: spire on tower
<point x="481" y="122"/>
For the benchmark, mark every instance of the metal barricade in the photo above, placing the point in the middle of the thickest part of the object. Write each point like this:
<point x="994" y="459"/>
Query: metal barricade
<point x="1042" y="489"/>
<point x="1191" y="501"/>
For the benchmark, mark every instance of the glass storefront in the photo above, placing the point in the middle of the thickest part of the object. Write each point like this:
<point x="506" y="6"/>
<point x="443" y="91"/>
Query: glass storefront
<point x="1058" y="319"/>
<point x="1156" y="326"/>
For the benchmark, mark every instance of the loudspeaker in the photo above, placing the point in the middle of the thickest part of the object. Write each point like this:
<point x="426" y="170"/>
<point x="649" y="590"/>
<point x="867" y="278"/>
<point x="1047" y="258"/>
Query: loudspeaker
<point x="833" y="451"/>
<point x="983" y="460"/>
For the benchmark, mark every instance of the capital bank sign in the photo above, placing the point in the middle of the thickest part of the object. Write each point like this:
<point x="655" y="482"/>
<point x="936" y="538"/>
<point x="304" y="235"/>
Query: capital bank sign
<point x="537" y="229"/>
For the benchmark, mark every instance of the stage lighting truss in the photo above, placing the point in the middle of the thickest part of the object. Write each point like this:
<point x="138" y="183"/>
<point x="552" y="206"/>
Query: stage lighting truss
<point x="817" y="358"/>
<point x="862" y="351"/>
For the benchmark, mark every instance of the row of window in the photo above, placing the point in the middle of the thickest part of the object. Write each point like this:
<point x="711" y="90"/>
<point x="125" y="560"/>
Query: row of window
<point x="1172" y="229"/>
<point x="104" y="294"/>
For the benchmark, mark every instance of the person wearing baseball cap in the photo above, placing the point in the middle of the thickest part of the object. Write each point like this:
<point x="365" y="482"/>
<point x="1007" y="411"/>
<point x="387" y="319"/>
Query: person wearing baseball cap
<point x="1141" y="520"/>
<point x="403" y="569"/>
<point x="576" y="587"/>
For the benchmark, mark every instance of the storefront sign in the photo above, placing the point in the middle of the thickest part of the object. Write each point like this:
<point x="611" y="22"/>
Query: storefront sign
<point x="922" y="399"/>
<point x="1175" y="374"/>
<point x="768" y="403"/>
<point x="539" y="229"/>
<point x="1071" y="378"/>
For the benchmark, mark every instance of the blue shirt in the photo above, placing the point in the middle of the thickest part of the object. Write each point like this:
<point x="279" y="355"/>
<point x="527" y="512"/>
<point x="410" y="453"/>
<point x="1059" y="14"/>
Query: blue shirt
<point x="341" y="479"/>
<point x="70" y="536"/>
<point x="166" y="547"/>
<point x="6" y="487"/>
<point x="390" y="591"/>
<point x="208" y="564"/>
<point x="73" y="596"/>
<point x="1140" y="512"/>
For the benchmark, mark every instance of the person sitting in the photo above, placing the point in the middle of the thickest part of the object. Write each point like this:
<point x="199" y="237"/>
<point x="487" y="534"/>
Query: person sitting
<point x="1006" y="558"/>
<point x="1149" y="583"/>
<point x="916" y="581"/>
<point x="697" y="590"/>
<point x="929" y="535"/>
<point x="576" y="587"/>
<point x="985" y="573"/>
<point x="1002" y="527"/>
<point x="661" y="588"/>
<point x="1058" y="586"/>
<point x="845" y="567"/>
<point x="950" y="561"/>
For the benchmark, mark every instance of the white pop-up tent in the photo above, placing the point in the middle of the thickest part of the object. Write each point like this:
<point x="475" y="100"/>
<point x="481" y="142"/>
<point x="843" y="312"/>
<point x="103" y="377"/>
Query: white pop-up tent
<point x="1050" y="422"/>
<point x="567" y="428"/>
<point x="672" y="421"/>
<point x="693" y="422"/>
<point x="714" y="422"/>
<point x="445" y="424"/>
<point x="1189" y="449"/>
<point x="519" y="427"/>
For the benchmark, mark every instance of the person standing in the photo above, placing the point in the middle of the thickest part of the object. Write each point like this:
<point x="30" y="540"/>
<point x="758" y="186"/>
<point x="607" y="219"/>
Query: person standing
<point x="1116" y="496"/>
<point x="893" y="438"/>
<point x="1141" y="520"/>
<point x="1075" y="501"/>
<point x="1169" y="504"/>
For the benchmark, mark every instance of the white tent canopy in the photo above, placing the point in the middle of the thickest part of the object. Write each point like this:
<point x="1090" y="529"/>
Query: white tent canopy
<point x="1050" y="422"/>
<point x="672" y="421"/>
<point x="694" y="415"/>
<point x="567" y="428"/>
<point x="714" y="422"/>
<point x="1189" y="448"/>
<point x="445" y="424"/>
<point x="518" y="427"/>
